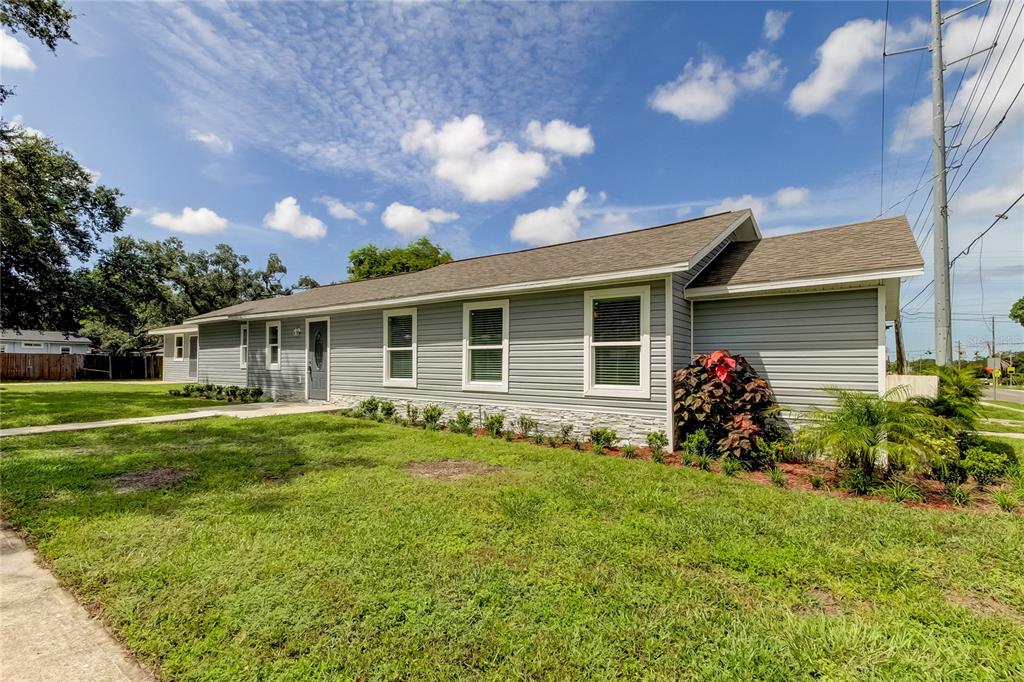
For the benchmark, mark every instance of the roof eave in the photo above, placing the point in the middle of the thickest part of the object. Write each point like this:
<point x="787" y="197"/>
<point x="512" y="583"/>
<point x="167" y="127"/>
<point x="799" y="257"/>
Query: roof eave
<point x="844" y="280"/>
<point x="173" y="329"/>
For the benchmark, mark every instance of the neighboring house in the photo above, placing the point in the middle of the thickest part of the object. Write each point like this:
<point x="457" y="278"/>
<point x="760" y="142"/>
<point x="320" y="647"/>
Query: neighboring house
<point x="584" y="333"/>
<point x="34" y="341"/>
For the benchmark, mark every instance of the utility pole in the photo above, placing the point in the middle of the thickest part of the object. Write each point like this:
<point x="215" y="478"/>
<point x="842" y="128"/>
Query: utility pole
<point x="940" y="258"/>
<point x="995" y="358"/>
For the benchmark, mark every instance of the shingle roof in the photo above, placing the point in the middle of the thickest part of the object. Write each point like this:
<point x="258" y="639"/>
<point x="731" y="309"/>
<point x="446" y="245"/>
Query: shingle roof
<point x="37" y="335"/>
<point x="648" y="248"/>
<point x="876" y="245"/>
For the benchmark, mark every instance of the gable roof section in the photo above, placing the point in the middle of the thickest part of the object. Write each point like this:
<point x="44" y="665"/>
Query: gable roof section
<point x="667" y="247"/>
<point x="37" y="335"/>
<point x="876" y="246"/>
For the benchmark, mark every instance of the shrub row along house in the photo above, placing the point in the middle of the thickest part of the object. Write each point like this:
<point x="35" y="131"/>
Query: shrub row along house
<point x="585" y="332"/>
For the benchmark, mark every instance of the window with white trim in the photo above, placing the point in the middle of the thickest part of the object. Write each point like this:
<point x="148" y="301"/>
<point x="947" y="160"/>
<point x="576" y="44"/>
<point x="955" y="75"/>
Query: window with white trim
<point x="65" y="350"/>
<point x="243" y="345"/>
<point x="617" y="340"/>
<point x="274" y="345"/>
<point x="485" y="346"/>
<point x="179" y="347"/>
<point x="31" y="344"/>
<point x="400" y="347"/>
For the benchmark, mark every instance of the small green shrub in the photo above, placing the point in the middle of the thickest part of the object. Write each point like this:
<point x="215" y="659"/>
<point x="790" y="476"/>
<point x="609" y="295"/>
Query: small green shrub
<point x="857" y="481"/>
<point x="657" y="441"/>
<point x="552" y="442"/>
<point x="432" y="415"/>
<point x="229" y="394"/>
<point x="387" y="410"/>
<point x="577" y="444"/>
<point x="702" y="462"/>
<point x="175" y="392"/>
<point x="494" y="424"/>
<point x="1005" y="500"/>
<point x="602" y="437"/>
<point x="697" y="444"/>
<point x="984" y="465"/>
<point x="509" y="436"/>
<point x="776" y="476"/>
<point x="898" y="491"/>
<point x="629" y="451"/>
<point x="731" y="466"/>
<point x="658" y="455"/>
<point x="525" y="425"/>
<point x="817" y="481"/>
<point x="412" y="414"/>
<point x="566" y="433"/>
<point x="538" y="438"/>
<point x="368" y="407"/>
<point x="958" y="494"/>
<point x="463" y="423"/>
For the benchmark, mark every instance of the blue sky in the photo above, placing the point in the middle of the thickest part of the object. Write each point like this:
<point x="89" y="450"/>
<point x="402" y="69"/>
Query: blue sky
<point x="311" y="129"/>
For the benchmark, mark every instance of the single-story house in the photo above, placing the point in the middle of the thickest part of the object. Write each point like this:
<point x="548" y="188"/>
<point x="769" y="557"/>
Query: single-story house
<point x="35" y="341"/>
<point x="585" y="333"/>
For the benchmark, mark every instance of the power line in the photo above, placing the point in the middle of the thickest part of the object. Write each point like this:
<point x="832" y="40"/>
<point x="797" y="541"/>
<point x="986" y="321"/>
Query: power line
<point x="881" y="173"/>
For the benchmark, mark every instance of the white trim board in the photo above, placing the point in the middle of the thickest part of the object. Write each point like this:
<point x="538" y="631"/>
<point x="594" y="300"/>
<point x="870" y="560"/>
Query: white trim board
<point x="468" y="385"/>
<point x="386" y="379"/>
<point x="868" y="279"/>
<point x="589" y="387"/>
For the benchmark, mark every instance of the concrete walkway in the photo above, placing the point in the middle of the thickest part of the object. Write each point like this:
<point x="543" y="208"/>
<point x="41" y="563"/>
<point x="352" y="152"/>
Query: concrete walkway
<point x="45" y="634"/>
<point x="242" y="411"/>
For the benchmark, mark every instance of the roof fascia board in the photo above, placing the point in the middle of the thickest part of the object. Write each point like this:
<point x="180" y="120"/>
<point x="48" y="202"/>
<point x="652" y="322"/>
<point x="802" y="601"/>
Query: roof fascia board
<point x="175" y="329"/>
<point x="758" y="288"/>
<point x="518" y="288"/>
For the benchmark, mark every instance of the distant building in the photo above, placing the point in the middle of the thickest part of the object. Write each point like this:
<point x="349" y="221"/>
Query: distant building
<point x="35" y="341"/>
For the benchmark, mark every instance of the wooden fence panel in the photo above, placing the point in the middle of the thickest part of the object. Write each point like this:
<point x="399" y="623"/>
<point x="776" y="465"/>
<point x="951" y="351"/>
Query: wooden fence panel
<point x="53" y="367"/>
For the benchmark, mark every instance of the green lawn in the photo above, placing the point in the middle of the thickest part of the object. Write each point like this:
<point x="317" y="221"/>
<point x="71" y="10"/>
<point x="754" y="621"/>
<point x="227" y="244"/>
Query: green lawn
<point x="302" y="548"/>
<point x="32" y="404"/>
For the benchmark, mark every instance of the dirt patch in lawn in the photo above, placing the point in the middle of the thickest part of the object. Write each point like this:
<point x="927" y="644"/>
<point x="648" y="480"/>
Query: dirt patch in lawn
<point x="149" y="479"/>
<point x="983" y="605"/>
<point x="818" y="601"/>
<point x="451" y="469"/>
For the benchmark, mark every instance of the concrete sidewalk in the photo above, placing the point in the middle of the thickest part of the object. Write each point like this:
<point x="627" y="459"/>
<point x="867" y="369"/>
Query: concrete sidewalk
<point x="241" y="411"/>
<point x="45" y="634"/>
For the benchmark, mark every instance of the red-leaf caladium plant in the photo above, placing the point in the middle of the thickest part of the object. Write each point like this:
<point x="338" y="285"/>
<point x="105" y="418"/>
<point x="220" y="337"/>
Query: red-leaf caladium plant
<point x="722" y="394"/>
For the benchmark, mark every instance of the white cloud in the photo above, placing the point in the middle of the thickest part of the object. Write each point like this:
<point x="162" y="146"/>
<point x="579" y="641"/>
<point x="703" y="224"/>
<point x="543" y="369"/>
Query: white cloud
<point x="17" y="121"/>
<point x="706" y="90"/>
<point x="464" y="156"/>
<point x="775" y="24"/>
<point x="561" y="137"/>
<point x="334" y="85"/>
<point x="846" y="64"/>
<point x="342" y="211"/>
<point x="287" y="216"/>
<point x="758" y="206"/>
<point x="413" y="222"/>
<point x="213" y="142"/>
<point x="988" y="201"/>
<point x="14" y="54"/>
<point x="789" y="197"/>
<point x="551" y="225"/>
<point x="190" y="221"/>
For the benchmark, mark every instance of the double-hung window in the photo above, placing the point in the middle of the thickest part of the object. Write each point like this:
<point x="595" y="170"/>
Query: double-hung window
<point x="274" y="345"/>
<point x="485" y="346"/>
<point x="400" y="347"/>
<point x="243" y="345"/>
<point x="617" y="342"/>
<point x="179" y="347"/>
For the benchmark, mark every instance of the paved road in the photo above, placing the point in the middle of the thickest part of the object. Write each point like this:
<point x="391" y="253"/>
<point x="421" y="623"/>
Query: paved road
<point x="45" y="634"/>
<point x="1009" y="395"/>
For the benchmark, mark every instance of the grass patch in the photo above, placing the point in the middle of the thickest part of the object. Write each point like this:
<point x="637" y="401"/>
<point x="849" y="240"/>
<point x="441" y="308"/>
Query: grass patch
<point x="42" y="404"/>
<point x="989" y="412"/>
<point x="303" y="547"/>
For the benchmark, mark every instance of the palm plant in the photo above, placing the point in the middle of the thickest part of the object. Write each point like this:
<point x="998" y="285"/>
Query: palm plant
<point x="959" y="393"/>
<point x="865" y="429"/>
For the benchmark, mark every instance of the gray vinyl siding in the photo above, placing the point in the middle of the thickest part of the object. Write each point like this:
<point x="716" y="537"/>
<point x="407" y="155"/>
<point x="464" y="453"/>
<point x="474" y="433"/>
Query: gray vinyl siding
<point x="175" y="370"/>
<point x="288" y="382"/>
<point x="681" y="351"/>
<point x="801" y="343"/>
<point x="545" y="355"/>
<point x="218" y="354"/>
